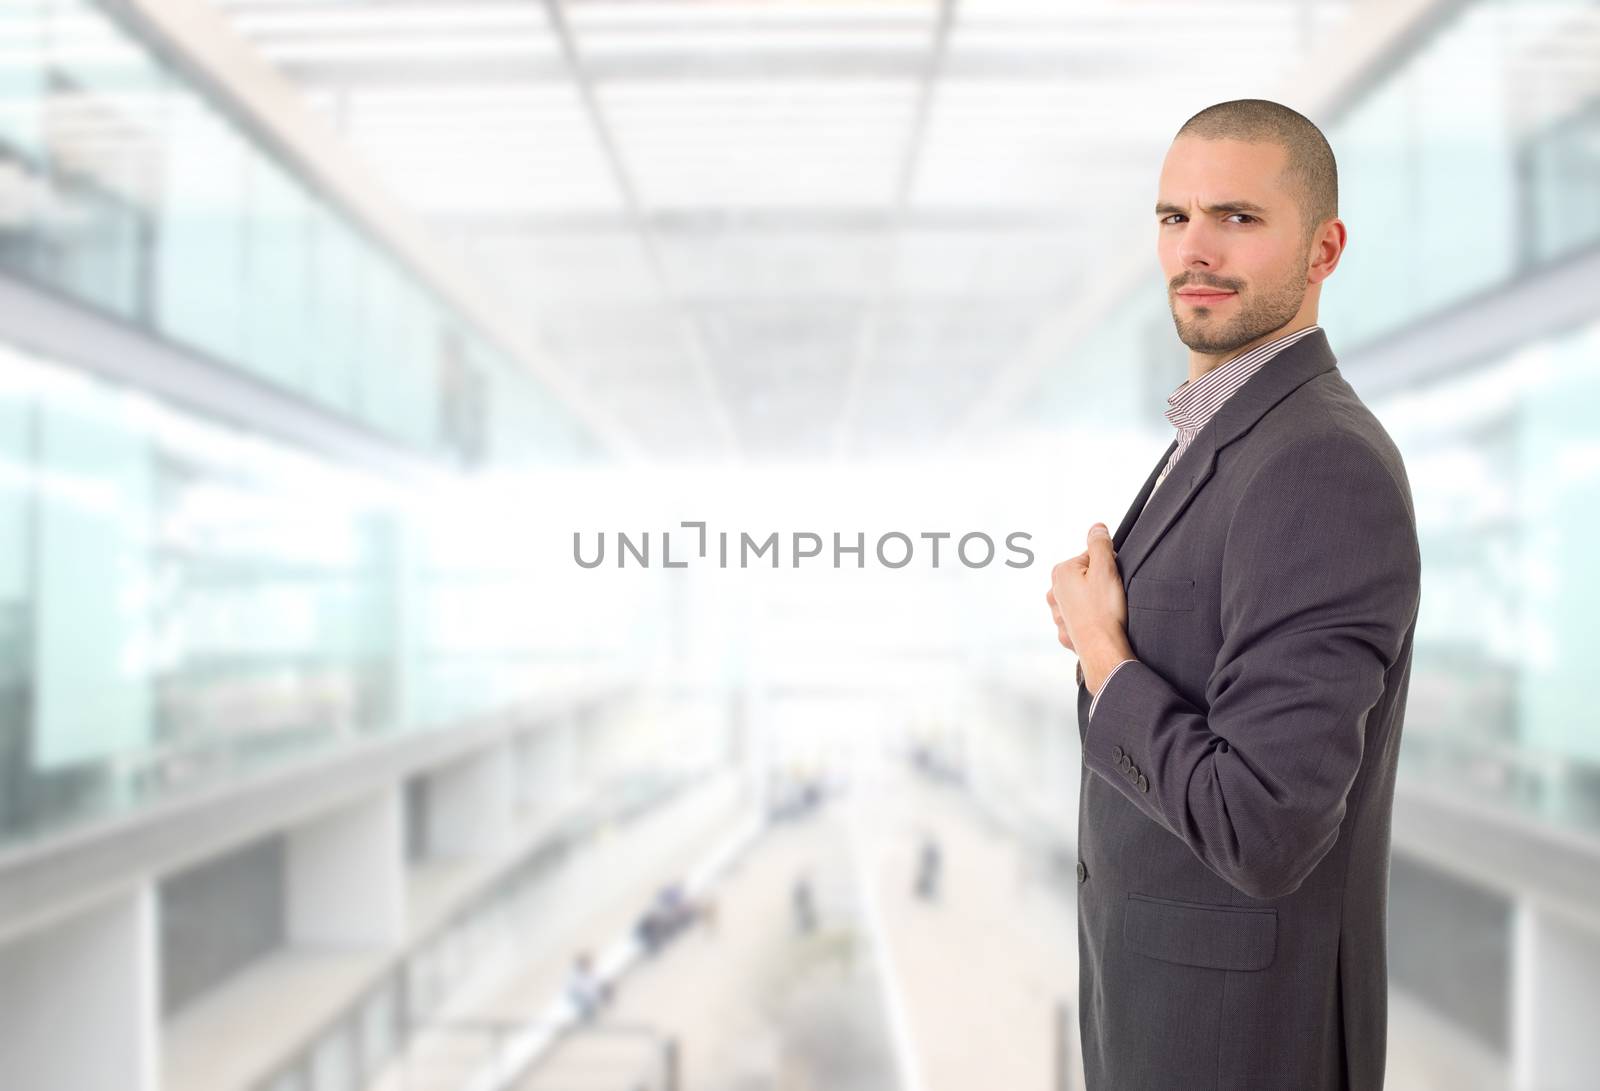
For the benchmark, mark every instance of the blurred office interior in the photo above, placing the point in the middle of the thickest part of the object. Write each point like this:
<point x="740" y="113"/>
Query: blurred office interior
<point x="327" y="327"/>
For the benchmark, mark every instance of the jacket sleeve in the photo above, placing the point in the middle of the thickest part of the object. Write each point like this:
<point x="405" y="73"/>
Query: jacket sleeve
<point x="1321" y="579"/>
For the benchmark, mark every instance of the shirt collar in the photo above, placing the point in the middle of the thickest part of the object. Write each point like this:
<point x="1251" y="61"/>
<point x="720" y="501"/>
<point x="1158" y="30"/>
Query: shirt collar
<point x="1196" y="401"/>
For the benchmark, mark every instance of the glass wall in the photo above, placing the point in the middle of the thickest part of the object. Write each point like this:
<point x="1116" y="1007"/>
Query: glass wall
<point x="1472" y="163"/>
<point x="1504" y="461"/>
<point x="181" y="602"/>
<point x="126" y="188"/>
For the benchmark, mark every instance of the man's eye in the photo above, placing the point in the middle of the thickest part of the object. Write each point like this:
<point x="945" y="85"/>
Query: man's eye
<point x="1246" y="215"/>
<point x="1164" y="219"/>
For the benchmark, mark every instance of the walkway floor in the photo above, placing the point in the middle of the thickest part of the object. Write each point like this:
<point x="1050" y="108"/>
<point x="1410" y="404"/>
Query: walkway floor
<point x="954" y="993"/>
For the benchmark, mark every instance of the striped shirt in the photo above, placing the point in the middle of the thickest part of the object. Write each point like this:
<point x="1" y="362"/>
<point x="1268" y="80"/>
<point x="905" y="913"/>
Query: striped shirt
<point x="1194" y="403"/>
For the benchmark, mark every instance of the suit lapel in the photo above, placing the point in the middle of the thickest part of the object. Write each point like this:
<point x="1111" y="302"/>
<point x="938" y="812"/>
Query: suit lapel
<point x="1291" y="368"/>
<point x="1132" y="515"/>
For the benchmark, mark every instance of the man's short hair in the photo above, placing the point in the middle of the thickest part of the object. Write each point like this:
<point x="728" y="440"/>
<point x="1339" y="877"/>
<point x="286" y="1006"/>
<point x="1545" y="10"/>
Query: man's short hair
<point x="1311" y="173"/>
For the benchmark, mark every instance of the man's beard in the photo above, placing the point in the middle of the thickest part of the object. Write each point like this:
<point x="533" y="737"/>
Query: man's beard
<point x="1255" y="317"/>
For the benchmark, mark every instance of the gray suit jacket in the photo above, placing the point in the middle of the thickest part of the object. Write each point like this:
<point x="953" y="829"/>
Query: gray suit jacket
<point x="1238" y="778"/>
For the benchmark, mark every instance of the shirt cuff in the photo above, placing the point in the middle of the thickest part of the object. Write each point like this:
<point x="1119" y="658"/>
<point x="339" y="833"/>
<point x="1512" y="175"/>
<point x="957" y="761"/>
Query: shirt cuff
<point x="1104" y="682"/>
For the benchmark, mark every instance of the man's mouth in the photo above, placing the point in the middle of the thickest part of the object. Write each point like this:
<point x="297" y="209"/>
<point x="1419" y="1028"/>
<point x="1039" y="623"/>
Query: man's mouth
<point x="1203" y="296"/>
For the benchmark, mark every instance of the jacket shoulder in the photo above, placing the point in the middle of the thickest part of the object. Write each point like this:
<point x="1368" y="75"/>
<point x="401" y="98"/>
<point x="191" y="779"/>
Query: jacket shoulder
<point x="1325" y="412"/>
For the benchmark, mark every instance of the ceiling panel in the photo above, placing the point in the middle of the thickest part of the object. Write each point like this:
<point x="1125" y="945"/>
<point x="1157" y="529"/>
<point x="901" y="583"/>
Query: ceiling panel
<point x="785" y="229"/>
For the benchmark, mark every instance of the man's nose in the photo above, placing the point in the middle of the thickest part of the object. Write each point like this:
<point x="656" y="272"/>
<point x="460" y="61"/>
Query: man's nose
<point x="1197" y="247"/>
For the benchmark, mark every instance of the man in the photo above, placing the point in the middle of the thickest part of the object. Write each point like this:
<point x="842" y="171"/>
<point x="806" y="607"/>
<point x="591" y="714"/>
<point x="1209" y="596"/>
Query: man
<point x="1244" y="650"/>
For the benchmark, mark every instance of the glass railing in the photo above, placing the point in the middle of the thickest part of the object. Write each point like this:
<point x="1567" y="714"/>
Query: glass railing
<point x="382" y="1038"/>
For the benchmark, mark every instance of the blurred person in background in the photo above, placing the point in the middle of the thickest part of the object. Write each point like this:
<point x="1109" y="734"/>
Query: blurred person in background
<point x="930" y="865"/>
<point x="587" y="993"/>
<point x="804" y="905"/>
<point x="1244" y="648"/>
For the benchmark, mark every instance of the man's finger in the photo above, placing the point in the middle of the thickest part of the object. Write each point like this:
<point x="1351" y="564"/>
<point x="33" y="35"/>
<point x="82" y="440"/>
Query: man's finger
<point x="1100" y="551"/>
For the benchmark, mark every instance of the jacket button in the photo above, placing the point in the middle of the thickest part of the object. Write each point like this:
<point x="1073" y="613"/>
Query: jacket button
<point x="1083" y="872"/>
<point x="1116" y="753"/>
<point x="1144" y="785"/>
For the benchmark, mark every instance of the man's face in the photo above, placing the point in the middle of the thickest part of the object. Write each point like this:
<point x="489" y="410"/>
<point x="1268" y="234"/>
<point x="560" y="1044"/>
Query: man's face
<point x="1230" y="242"/>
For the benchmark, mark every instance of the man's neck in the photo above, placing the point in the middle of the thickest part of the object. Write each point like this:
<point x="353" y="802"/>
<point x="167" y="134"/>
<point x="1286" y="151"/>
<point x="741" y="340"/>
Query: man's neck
<point x="1201" y="363"/>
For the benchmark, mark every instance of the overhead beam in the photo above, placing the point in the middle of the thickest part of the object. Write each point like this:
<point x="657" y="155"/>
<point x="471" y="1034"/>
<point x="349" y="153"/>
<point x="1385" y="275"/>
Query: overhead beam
<point x="998" y="66"/>
<point x="1490" y="323"/>
<point x="716" y="403"/>
<point x="801" y="220"/>
<point x="867" y="342"/>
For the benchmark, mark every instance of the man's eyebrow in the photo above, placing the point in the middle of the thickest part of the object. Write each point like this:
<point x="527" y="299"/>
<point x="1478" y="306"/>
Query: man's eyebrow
<point x="1165" y="208"/>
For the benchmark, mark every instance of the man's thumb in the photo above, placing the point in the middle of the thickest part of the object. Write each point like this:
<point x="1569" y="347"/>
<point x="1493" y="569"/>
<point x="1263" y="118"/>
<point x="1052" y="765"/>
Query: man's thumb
<point x="1099" y="539"/>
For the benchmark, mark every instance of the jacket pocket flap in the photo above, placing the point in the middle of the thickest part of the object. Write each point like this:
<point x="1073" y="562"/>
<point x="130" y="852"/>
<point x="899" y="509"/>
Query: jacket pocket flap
<point x="1160" y="593"/>
<point x="1218" y="937"/>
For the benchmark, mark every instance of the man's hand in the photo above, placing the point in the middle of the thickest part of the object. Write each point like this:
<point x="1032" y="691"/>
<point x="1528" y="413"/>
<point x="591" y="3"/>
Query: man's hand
<point x="1089" y="608"/>
<point x="1055" y="608"/>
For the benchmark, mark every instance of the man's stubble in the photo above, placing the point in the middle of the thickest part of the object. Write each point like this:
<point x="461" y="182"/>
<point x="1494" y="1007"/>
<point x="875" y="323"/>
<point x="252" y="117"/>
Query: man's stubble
<point x="1259" y="313"/>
